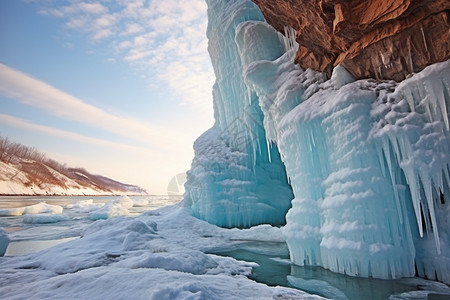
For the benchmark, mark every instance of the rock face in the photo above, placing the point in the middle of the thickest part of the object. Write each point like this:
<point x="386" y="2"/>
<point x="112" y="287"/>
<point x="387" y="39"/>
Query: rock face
<point x="385" y="39"/>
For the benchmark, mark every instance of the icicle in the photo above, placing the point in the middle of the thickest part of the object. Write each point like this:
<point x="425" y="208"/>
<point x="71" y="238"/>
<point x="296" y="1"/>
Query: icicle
<point x="412" y="181"/>
<point x="381" y="160"/>
<point x="410" y="99"/>
<point x="442" y="104"/>
<point x="407" y="228"/>
<point x="289" y="40"/>
<point x="395" y="147"/>
<point x="424" y="40"/>
<point x="393" y="178"/>
<point x="430" y="203"/>
<point x="410" y="62"/>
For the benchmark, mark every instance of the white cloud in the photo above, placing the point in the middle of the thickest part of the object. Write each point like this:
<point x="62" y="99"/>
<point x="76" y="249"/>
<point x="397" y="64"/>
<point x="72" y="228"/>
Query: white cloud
<point x="28" y="90"/>
<point x="132" y="28"/>
<point x="148" y="168"/>
<point x="164" y="42"/>
<point x="154" y="37"/>
<point x="68" y="135"/>
<point x="69" y="10"/>
<point x="102" y="34"/>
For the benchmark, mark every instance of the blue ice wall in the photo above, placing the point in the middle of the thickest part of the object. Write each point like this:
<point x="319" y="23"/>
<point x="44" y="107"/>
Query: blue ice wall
<point x="368" y="161"/>
<point x="369" y="166"/>
<point x="236" y="179"/>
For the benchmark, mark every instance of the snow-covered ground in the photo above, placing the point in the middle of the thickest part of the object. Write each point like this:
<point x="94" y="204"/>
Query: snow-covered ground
<point x="160" y="254"/>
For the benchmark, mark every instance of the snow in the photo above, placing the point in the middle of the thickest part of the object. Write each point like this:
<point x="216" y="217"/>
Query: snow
<point x="109" y="210"/>
<point x="140" y="202"/>
<point x="32" y="209"/>
<point x="340" y="77"/>
<point x="161" y="254"/>
<point x="13" y="181"/>
<point x="367" y="161"/>
<point x="84" y="206"/>
<point x="114" y="208"/>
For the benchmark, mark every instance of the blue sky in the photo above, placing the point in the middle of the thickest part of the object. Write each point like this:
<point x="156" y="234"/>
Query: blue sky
<point x="122" y="88"/>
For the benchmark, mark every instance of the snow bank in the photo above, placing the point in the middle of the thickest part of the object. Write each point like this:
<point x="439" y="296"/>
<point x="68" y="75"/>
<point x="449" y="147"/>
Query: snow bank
<point x="39" y="208"/>
<point x="161" y="254"/>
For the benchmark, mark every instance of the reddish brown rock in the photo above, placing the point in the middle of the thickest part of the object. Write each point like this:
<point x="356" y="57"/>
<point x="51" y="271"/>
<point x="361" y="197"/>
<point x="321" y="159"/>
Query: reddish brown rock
<point x="386" y="39"/>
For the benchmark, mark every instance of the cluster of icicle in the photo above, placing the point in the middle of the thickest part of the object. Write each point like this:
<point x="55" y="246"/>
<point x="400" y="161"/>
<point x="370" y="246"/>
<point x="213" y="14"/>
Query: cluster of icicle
<point x="368" y="161"/>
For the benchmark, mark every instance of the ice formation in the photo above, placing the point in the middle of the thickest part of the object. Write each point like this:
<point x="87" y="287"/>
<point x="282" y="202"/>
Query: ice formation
<point x="44" y="218"/>
<point x="237" y="177"/>
<point x="113" y="208"/>
<point x="32" y="209"/>
<point x="368" y="161"/>
<point x="84" y="206"/>
<point x="159" y="255"/>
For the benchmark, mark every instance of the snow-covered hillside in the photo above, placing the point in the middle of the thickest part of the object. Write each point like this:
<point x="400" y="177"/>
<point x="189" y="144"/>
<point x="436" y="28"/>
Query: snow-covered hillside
<point x="25" y="171"/>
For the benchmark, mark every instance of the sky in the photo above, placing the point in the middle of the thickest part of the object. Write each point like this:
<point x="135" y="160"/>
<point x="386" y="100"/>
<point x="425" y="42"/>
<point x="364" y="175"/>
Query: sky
<point x="119" y="87"/>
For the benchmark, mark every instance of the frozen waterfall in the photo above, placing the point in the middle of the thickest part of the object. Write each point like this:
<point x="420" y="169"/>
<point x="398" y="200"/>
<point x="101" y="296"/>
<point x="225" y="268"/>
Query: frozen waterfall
<point x="237" y="179"/>
<point x="368" y="161"/>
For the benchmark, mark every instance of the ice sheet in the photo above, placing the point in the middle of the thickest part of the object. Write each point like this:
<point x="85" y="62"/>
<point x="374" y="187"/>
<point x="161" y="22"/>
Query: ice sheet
<point x="159" y="255"/>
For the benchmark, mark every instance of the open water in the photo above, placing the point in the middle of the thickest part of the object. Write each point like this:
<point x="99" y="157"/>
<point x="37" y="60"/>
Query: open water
<point x="30" y="238"/>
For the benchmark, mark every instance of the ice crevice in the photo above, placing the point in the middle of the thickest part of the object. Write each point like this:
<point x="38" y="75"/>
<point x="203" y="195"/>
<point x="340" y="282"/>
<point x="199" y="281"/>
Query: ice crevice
<point x="366" y="163"/>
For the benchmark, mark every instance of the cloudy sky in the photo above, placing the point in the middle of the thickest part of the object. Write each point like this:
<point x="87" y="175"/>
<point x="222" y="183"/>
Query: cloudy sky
<point x="120" y="87"/>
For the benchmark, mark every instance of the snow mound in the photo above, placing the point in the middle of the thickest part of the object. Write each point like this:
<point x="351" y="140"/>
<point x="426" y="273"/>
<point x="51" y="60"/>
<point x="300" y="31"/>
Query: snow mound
<point x="39" y="208"/>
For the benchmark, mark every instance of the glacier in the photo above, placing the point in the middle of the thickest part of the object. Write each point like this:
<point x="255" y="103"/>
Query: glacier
<point x="358" y="171"/>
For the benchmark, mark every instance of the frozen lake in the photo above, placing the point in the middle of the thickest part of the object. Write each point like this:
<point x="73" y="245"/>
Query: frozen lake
<point x="30" y="235"/>
<point x="28" y="238"/>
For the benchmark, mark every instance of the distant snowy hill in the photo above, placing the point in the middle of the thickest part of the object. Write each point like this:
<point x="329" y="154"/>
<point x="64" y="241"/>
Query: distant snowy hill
<point x="26" y="171"/>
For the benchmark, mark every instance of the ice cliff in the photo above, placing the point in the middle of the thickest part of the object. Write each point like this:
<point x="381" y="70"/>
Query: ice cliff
<point x="237" y="177"/>
<point x="366" y="163"/>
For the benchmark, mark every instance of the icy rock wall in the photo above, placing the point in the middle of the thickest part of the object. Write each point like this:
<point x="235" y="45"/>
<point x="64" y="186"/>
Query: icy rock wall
<point x="236" y="179"/>
<point x="368" y="162"/>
